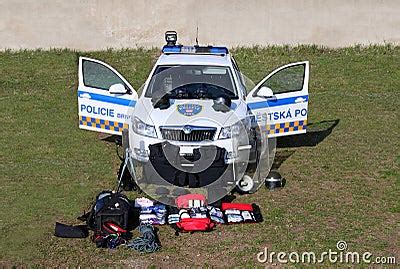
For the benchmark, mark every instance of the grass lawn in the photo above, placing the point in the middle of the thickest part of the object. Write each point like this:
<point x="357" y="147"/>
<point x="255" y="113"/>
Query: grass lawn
<point x="346" y="187"/>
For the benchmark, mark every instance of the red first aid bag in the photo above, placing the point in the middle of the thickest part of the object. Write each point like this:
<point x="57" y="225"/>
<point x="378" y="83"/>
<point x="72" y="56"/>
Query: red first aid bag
<point x="195" y="224"/>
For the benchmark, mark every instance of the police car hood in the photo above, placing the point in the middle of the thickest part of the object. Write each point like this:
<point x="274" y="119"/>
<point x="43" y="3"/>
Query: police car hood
<point x="192" y="112"/>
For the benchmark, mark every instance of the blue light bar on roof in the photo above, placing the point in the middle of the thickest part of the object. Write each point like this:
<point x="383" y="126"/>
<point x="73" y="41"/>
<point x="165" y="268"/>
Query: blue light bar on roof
<point x="171" y="49"/>
<point x="219" y="50"/>
<point x="195" y="50"/>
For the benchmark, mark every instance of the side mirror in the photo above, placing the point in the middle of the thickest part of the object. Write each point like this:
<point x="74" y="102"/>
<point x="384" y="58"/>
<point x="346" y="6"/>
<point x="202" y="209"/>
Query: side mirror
<point x="265" y="92"/>
<point x="117" y="89"/>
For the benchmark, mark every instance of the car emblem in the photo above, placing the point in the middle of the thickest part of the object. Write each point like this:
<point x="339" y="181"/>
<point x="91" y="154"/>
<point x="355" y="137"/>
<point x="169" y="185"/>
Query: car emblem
<point x="187" y="129"/>
<point x="189" y="109"/>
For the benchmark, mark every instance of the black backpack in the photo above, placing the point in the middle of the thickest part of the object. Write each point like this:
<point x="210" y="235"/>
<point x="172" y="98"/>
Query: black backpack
<point x="112" y="207"/>
<point x="111" y="217"/>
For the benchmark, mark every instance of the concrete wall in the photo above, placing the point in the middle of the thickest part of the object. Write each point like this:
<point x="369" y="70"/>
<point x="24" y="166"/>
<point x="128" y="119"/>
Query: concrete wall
<point x="97" y="24"/>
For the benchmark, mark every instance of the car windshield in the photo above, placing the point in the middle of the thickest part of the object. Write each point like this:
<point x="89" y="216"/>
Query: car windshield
<point x="192" y="82"/>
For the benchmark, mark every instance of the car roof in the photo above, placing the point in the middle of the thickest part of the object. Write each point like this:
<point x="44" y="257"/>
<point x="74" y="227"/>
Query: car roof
<point x="194" y="59"/>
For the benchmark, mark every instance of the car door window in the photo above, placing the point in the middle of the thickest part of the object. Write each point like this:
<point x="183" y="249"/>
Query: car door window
<point x="96" y="75"/>
<point x="289" y="79"/>
<point x="242" y="85"/>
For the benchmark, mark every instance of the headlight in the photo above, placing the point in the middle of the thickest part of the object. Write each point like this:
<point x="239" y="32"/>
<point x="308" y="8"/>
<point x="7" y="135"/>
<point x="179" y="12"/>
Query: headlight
<point x="230" y="131"/>
<point x="142" y="128"/>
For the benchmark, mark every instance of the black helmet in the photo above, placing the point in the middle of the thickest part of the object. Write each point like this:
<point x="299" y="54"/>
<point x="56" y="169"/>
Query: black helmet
<point x="274" y="180"/>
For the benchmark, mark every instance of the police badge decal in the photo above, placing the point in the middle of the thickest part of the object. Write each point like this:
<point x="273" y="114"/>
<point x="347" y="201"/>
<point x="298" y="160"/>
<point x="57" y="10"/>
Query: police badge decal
<point x="189" y="109"/>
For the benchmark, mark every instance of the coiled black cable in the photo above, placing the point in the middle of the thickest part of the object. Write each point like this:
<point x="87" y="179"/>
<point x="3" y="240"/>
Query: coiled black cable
<point x="148" y="242"/>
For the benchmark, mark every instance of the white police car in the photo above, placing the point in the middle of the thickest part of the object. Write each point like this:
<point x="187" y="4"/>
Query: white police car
<point x="194" y="97"/>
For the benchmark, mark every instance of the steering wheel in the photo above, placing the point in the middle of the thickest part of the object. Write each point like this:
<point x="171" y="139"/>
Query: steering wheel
<point x="182" y="93"/>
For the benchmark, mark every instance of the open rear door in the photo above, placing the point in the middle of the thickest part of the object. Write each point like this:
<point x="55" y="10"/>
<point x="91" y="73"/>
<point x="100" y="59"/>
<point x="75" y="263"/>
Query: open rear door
<point x="279" y="102"/>
<point x="100" y="108"/>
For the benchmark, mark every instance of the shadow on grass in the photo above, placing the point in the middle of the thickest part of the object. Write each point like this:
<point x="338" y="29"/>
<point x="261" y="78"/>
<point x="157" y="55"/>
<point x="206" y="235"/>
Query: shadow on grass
<point x="280" y="157"/>
<point x="316" y="133"/>
<point x="113" y="139"/>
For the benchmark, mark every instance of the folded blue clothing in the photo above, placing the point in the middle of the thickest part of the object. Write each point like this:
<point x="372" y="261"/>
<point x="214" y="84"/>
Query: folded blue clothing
<point x="217" y="219"/>
<point x="214" y="211"/>
<point x="153" y="221"/>
<point x="143" y="202"/>
<point x="232" y="211"/>
<point x="153" y="215"/>
<point x="234" y="218"/>
<point x="198" y="215"/>
<point x="147" y="216"/>
<point x="146" y="210"/>
<point x="173" y="218"/>
<point x="201" y="209"/>
<point x="157" y="209"/>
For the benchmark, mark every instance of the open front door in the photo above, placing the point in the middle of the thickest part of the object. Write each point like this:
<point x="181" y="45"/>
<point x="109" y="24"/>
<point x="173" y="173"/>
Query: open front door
<point x="104" y="97"/>
<point x="279" y="102"/>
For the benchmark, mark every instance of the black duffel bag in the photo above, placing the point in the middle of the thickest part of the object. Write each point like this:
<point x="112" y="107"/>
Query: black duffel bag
<point x="112" y="207"/>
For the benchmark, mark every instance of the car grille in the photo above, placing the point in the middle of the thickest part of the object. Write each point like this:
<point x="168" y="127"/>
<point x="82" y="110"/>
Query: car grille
<point x="196" y="134"/>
